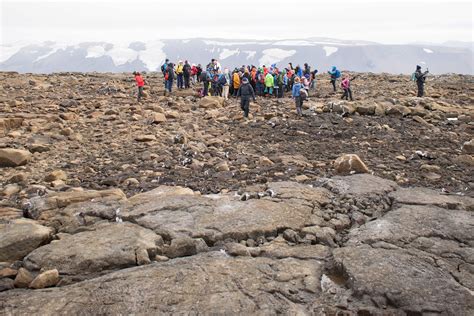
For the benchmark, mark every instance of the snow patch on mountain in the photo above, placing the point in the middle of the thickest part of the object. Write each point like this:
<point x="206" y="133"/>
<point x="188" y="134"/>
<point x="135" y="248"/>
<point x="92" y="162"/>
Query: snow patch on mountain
<point x="8" y="50"/>
<point x="95" y="51"/>
<point x="274" y="55"/>
<point x="153" y="56"/>
<point x="54" y="46"/>
<point x="226" y="53"/>
<point x="250" y="53"/>
<point x="330" y="50"/>
<point x="428" y="51"/>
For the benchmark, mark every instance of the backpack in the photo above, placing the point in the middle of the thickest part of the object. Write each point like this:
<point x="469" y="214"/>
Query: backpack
<point x="163" y="68"/>
<point x="413" y="76"/>
<point x="337" y="74"/>
<point x="303" y="94"/>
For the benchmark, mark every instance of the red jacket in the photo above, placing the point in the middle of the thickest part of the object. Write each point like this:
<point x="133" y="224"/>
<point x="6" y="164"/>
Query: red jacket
<point x="140" y="81"/>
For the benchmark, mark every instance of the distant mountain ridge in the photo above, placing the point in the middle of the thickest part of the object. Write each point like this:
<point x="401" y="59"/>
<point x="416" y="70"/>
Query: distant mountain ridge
<point x="320" y="53"/>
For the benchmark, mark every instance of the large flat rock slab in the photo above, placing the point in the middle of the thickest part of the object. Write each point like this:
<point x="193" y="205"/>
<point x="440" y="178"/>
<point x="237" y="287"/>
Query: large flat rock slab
<point x="401" y="280"/>
<point x="211" y="283"/>
<point x="218" y="217"/>
<point x="21" y="236"/>
<point x="110" y="246"/>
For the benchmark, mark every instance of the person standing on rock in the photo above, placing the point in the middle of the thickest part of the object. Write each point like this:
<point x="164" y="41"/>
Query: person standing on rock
<point x="204" y="78"/>
<point x="269" y="83"/>
<point x="346" y="87"/>
<point x="140" y="84"/>
<point x="179" y="74"/>
<point x="225" y="82"/>
<point x="186" y="74"/>
<point x="245" y="92"/>
<point x="335" y="74"/>
<point x="296" y="94"/>
<point x="420" y="78"/>
<point x="236" y="82"/>
<point x="169" y="77"/>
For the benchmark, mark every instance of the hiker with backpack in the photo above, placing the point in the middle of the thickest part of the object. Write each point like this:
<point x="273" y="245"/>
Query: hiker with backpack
<point x="269" y="83"/>
<point x="186" y="74"/>
<point x="169" y="77"/>
<point x="420" y="78"/>
<point x="245" y="92"/>
<point x="164" y="66"/>
<point x="313" y="79"/>
<point x="335" y="74"/>
<point x="236" y="81"/>
<point x="299" y="94"/>
<point x="306" y="82"/>
<point x="140" y="84"/>
<point x="260" y="84"/>
<point x="224" y="81"/>
<point x="198" y="72"/>
<point x="179" y="74"/>
<point x="346" y="87"/>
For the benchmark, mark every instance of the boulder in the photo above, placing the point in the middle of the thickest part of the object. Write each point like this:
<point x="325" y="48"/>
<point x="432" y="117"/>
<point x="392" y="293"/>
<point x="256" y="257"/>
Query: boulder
<point x="10" y="157"/>
<point x="109" y="246"/>
<point x="158" y="118"/>
<point x="56" y="175"/>
<point x="350" y="164"/>
<point x="45" y="279"/>
<point x="232" y="285"/>
<point x="211" y="102"/>
<point x="23" y="278"/>
<point x="21" y="236"/>
<point x="468" y="147"/>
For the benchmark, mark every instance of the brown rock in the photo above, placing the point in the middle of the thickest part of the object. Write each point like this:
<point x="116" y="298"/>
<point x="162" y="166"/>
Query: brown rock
<point x="10" y="157"/>
<point x="7" y="272"/>
<point x="468" y="147"/>
<point x="158" y="118"/>
<point x="46" y="279"/>
<point x="349" y="164"/>
<point x="23" y="278"/>
<point x="56" y="175"/>
<point x="264" y="161"/>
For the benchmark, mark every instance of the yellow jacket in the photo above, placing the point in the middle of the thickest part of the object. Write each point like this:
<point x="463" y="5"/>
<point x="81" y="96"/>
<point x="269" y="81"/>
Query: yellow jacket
<point x="179" y="69"/>
<point x="236" y="80"/>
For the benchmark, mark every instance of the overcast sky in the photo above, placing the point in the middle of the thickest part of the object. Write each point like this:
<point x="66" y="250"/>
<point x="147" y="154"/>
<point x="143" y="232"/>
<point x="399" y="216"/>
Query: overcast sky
<point x="385" y="21"/>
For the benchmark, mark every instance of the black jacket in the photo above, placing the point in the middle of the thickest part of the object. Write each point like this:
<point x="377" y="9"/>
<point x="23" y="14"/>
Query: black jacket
<point x="420" y="76"/>
<point x="246" y="91"/>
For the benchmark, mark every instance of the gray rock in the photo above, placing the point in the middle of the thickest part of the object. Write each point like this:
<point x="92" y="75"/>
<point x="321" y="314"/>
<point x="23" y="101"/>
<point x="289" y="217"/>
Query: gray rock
<point x="110" y="246"/>
<point x="21" y="236"/>
<point x="240" y="285"/>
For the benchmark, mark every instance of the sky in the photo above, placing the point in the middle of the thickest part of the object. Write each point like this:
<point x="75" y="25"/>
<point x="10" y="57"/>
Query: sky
<point x="383" y="21"/>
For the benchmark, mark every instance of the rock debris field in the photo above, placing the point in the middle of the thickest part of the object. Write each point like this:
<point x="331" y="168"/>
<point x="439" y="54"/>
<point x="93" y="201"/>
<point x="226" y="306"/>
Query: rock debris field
<point x="177" y="205"/>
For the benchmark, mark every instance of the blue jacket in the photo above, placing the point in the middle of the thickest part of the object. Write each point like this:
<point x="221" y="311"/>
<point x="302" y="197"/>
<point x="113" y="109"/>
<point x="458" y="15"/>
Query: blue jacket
<point x="296" y="90"/>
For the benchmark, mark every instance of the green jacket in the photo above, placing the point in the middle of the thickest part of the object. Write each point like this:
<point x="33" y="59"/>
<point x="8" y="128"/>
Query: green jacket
<point x="269" y="81"/>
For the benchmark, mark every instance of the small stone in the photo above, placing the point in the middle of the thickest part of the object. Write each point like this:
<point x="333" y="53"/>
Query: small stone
<point x="468" y="147"/>
<point x="145" y="138"/>
<point x="23" y="278"/>
<point x="159" y="258"/>
<point x="46" y="279"/>
<point x="10" y="157"/>
<point x="7" y="272"/>
<point x="56" y="175"/>
<point x="6" y="284"/>
<point x="301" y="178"/>
<point x="222" y="166"/>
<point x="401" y="158"/>
<point x="264" y="161"/>
<point x="158" y="118"/>
<point x="236" y="249"/>
<point x="349" y="164"/>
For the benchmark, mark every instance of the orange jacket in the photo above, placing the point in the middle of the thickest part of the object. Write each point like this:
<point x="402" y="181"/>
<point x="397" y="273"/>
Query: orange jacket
<point x="236" y="80"/>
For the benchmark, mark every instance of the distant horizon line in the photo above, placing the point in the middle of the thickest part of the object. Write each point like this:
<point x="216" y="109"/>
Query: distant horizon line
<point x="312" y="38"/>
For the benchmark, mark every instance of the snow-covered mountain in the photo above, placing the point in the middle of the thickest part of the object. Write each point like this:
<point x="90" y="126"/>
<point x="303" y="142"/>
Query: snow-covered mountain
<point x="47" y="57"/>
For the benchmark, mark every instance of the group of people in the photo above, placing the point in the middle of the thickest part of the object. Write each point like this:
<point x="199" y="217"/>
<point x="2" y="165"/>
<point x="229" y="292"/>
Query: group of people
<point x="247" y="82"/>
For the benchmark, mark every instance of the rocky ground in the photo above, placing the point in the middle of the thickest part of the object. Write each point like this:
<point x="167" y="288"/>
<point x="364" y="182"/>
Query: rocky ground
<point x="178" y="205"/>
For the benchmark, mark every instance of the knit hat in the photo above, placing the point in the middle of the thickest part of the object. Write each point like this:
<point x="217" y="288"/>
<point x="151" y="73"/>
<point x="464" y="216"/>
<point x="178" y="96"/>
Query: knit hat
<point x="245" y="80"/>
